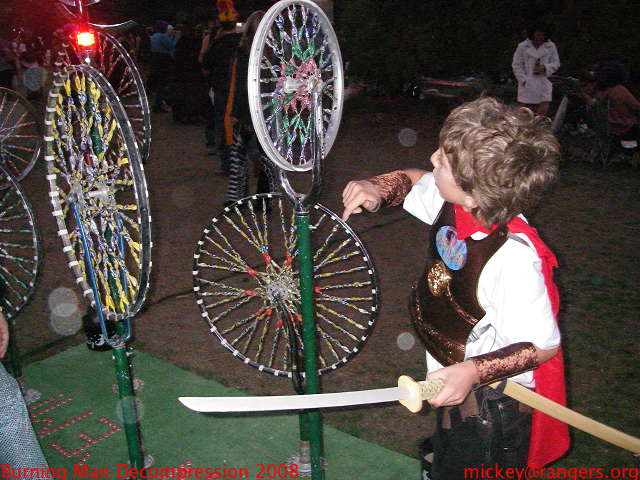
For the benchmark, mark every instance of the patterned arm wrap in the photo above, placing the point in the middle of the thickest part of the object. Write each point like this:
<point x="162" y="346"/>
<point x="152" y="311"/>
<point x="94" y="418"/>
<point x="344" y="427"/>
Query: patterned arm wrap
<point x="505" y="362"/>
<point x="394" y="187"/>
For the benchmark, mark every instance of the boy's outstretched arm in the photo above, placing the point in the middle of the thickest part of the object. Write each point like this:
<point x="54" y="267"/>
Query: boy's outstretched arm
<point x="460" y="378"/>
<point x="370" y="194"/>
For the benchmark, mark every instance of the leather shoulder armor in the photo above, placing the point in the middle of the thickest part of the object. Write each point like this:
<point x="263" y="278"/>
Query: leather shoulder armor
<point x="444" y="302"/>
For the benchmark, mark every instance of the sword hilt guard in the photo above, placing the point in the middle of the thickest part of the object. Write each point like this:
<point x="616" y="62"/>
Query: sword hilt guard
<point x="419" y="391"/>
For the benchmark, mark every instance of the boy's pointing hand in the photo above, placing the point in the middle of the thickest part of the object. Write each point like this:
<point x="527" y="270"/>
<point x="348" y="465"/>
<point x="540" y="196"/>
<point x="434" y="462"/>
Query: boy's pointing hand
<point x="359" y="194"/>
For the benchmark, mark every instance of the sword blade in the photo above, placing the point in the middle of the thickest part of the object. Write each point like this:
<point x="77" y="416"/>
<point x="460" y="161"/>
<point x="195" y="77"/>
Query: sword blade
<point x="293" y="402"/>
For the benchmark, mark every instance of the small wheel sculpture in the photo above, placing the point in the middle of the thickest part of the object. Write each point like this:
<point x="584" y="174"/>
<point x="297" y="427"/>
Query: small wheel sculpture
<point x="295" y="51"/>
<point x="20" y="135"/>
<point x="94" y="165"/>
<point x="246" y="284"/>
<point x="115" y="63"/>
<point x="20" y="251"/>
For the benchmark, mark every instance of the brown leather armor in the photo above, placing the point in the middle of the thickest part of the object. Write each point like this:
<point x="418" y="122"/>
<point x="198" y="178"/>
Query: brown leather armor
<point x="444" y="303"/>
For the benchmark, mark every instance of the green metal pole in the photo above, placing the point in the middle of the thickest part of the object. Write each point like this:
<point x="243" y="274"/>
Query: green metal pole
<point x="128" y="401"/>
<point x="123" y="371"/>
<point x="310" y="421"/>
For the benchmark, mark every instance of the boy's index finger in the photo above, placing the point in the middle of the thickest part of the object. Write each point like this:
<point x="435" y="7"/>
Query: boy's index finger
<point x="348" y="211"/>
<point x="346" y="214"/>
<point x="348" y="201"/>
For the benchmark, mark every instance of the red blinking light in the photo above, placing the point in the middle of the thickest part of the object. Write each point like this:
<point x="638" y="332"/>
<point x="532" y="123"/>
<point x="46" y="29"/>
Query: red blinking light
<point x="86" y="39"/>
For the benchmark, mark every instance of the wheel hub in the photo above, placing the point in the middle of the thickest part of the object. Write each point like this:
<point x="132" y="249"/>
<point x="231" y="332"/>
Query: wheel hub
<point x="281" y="289"/>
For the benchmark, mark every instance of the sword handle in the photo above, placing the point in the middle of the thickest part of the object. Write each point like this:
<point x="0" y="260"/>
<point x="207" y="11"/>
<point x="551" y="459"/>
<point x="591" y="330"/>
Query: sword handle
<point x="419" y="391"/>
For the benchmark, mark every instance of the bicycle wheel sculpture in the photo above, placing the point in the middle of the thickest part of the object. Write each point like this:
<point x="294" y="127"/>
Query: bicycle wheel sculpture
<point x="97" y="181"/>
<point x="20" y="251"/>
<point x="295" y="49"/>
<point x="246" y="284"/>
<point x="20" y="135"/>
<point x="115" y="63"/>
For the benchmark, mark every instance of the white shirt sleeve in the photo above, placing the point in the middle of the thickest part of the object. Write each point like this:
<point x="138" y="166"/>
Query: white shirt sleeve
<point x="424" y="200"/>
<point x="518" y="64"/>
<point x="510" y="280"/>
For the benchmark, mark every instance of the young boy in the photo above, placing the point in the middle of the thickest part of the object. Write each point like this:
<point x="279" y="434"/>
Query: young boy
<point x="485" y="306"/>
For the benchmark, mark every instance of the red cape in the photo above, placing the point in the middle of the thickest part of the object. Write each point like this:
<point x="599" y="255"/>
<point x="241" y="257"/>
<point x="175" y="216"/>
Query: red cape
<point x="549" y="437"/>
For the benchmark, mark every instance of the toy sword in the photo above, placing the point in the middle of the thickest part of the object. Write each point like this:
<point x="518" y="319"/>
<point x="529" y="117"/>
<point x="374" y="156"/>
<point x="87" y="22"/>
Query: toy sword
<point x="411" y="394"/>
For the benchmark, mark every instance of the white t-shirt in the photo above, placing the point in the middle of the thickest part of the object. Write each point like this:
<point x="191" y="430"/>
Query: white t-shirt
<point x="511" y="289"/>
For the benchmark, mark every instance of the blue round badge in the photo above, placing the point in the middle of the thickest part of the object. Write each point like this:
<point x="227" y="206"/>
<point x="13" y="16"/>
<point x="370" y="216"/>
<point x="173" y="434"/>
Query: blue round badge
<point x="452" y="251"/>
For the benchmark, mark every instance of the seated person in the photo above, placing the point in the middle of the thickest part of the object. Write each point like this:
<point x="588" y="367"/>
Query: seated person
<point x="623" y="106"/>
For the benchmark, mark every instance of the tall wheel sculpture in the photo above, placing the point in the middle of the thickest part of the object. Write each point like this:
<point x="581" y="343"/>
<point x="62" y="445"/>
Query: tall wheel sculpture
<point x="20" y="135"/>
<point x="20" y="257"/>
<point x="247" y="286"/>
<point x="278" y="281"/>
<point x="100" y="201"/>
<point x="115" y="63"/>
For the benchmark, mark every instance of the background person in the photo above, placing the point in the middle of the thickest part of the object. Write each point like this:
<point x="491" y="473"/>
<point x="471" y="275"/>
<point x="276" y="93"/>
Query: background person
<point x="624" y="108"/>
<point x="162" y="45"/>
<point x="190" y="92"/>
<point x="534" y="60"/>
<point x="215" y="65"/>
<point x="208" y="35"/>
<point x="240" y="137"/>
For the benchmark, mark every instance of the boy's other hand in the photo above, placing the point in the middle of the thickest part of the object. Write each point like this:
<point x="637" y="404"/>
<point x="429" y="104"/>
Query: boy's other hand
<point x="359" y="194"/>
<point x="458" y="381"/>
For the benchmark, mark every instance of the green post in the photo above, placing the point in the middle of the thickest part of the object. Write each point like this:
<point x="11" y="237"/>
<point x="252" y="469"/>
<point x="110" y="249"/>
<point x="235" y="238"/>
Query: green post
<point x="310" y="421"/>
<point x="123" y="371"/>
<point x="128" y="402"/>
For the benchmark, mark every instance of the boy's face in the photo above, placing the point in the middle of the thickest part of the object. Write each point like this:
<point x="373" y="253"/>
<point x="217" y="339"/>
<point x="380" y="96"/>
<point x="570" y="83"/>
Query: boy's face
<point x="447" y="186"/>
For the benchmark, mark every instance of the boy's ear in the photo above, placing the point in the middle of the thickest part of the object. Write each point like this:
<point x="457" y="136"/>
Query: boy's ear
<point x="469" y="203"/>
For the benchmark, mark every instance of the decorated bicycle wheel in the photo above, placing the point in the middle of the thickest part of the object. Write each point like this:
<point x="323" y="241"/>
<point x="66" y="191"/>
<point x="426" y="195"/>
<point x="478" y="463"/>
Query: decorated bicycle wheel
<point x="246" y="284"/>
<point x="115" y="63"/>
<point x="20" y="251"/>
<point x="94" y="166"/>
<point x="295" y="52"/>
<point x="20" y="135"/>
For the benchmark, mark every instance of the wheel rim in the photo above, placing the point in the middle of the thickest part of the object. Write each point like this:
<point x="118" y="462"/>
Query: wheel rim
<point x="115" y="63"/>
<point x="92" y="159"/>
<point x="294" y="46"/>
<point x="20" y="251"/>
<point x="244" y="266"/>
<point x="20" y="135"/>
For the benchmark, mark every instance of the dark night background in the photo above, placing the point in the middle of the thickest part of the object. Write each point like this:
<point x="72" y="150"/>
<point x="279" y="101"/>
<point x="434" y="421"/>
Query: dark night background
<point x="390" y="42"/>
<point x="42" y="16"/>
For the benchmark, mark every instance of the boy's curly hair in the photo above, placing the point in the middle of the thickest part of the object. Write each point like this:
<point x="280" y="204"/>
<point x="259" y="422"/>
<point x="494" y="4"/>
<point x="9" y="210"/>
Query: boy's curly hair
<point x="504" y="157"/>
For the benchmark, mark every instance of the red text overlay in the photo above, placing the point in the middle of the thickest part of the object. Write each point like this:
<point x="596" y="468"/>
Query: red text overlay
<point x="123" y="471"/>
<point x="572" y="473"/>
